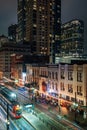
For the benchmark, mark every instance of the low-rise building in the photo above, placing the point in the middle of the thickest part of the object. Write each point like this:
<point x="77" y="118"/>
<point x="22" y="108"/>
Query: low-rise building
<point x="63" y="81"/>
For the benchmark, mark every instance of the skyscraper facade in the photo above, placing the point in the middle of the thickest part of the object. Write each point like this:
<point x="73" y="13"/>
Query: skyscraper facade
<point x="21" y="17"/>
<point x="43" y="26"/>
<point x="72" y="34"/>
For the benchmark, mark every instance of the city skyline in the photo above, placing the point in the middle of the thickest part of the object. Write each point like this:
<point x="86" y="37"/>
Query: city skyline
<point x="43" y="64"/>
<point x="71" y="9"/>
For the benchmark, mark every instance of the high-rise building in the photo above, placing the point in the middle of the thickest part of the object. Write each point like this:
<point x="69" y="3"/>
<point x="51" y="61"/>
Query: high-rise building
<point x="21" y="17"/>
<point x="12" y="32"/>
<point x="42" y="25"/>
<point x="72" y="38"/>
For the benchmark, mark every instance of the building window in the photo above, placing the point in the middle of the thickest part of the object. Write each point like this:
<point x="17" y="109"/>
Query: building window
<point x="81" y="102"/>
<point x="72" y="99"/>
<point x="70" y="75"/>
<point x="62" y="87"/>
<point x="56" y="76"/>
<point x="62" y="74"/>
<point x="56" y="86"/>
<point x="70" y="88"/>
<point x="52" y="75"/>
<point x="53" y="86"/>
<point x="79" y="90"/>
<point x="79" y="76"/>
<point x="49" y="74"/>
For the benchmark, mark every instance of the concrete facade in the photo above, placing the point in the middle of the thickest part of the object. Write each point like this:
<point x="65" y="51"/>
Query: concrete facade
<point x="60" y="81"/>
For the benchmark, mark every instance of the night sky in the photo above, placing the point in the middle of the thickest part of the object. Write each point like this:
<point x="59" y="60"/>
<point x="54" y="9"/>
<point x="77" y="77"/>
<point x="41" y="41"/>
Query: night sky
<point x="71" y="9"/>
<point x="8" y="14"/>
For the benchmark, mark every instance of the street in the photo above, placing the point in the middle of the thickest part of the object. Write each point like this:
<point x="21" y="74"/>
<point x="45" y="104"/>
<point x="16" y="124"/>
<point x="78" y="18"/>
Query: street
<point x="49" y="110"/>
